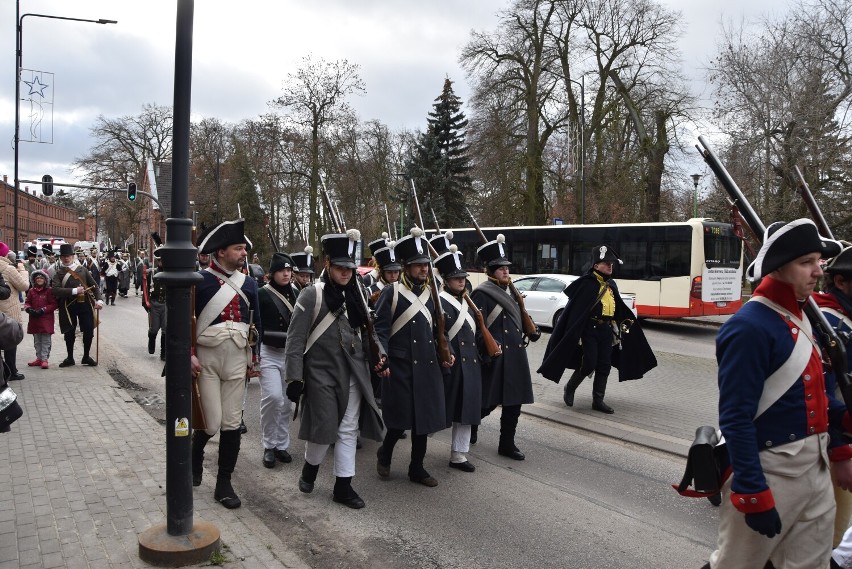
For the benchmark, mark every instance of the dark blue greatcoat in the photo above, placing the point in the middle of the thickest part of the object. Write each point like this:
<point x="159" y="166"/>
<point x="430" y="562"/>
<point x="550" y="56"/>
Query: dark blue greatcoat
<point x="506" y="379"/>
<point x="463" y="385"/>
<point x="413" y="395"/>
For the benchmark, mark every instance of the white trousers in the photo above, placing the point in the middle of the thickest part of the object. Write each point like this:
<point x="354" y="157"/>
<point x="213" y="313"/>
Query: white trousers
<point x="842" y="554"/>
<point x="222" y="384"/>
<point x="461" y="442"/>
<point x="801" y="486"/>
<point x="275" y="408"/>
<point x="347" y="438"/>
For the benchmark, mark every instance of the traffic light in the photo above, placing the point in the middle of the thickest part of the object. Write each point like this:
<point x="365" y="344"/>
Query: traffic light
<point x="131" y="191"/>
<point x="47" y="185"/>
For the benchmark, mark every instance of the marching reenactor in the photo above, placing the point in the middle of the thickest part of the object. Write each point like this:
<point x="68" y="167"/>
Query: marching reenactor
<point x="387" y="273"/>
<point x="226" y="308"/>
<point x="303" y="273"/>
<point x="78" y="296"/>
<point x="51" y="264"/>
<point x="463" y="387"/>
<point x="836" y="303"/>
<point x="110" y="268"/>
<point x="413" y="393"/>
<point x="154" y="302"/>
<point x="277" y="298"/>
<point x="374" y="275"/>
<point x="140" y="263"/>
<point x="506" y="379"/>
<point x="596" y="332"/>
<point x="779" y="421"/>
<point x="327" y="367"/>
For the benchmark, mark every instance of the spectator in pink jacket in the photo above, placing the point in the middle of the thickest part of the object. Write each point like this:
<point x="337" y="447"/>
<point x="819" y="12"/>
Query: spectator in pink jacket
<point x="40" y="305"/>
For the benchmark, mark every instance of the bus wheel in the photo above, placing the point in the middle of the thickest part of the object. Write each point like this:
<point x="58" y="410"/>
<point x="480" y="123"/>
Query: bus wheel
<point x="556" y="317"/>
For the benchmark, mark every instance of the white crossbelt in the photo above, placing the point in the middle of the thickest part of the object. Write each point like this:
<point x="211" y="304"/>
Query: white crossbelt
<point x="220" y="300"/>
<point x="464" y="315"/>
<point x="280" y="296"/>
<point x="418" y="304"/>
<point x="327" y="320"/>
<point x="840" y="316"/>
<point x="777" y="384"/>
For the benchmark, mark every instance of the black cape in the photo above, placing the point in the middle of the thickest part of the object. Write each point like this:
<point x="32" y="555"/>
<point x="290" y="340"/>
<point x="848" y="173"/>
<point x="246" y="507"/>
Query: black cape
<point x="633" y="360"/>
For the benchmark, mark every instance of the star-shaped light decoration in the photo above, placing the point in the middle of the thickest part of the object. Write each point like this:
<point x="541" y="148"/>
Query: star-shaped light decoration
<point x="36" y="86"/>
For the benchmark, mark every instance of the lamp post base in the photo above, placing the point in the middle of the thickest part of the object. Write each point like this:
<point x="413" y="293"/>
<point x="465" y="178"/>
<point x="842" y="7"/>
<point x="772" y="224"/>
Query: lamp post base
<point x="157" y="547"/>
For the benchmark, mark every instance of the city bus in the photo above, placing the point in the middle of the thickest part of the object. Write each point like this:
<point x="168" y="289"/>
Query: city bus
<point x="675" y="270"/>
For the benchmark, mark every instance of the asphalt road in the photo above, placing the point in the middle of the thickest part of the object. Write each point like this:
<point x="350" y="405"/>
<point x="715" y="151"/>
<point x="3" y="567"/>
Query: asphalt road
<point x="578" y="501"/>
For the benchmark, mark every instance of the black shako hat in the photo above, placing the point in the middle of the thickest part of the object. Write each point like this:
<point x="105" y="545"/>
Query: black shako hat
<point x="604" y="254"/>
<point x="340" y="248"/>
<point x="304" y="260"/>
<point x="441" y="242"/>
<point x="32" y="251"/>
<point x="280" y="261"/>
<point x="493" y="253"/>
<point x="380" y="243"/>
<point x="449" y="264"/>
<point x="412" y="248"/>
<point x="785" y="242"/>
<point x="224" y="235"/>
<point x="47" y="249"/>
<point x="65" y="249"/>
<point x="841" y="264"/>
<point x="386" y="258"/>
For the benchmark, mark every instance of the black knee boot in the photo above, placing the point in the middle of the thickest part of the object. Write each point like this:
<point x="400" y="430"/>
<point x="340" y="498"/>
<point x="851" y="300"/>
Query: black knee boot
<point x="508" y="426"/>
<point x="474" y="434"/>
<point x="344" y="494"/>
<point x="152" y="342"/>
<point x="598" y="391"/>
<point x="309" y="476"/>
<point x="385" y="452"/>
<point x="416" y="471"/>
<point x="199" y="441"/>
<point x="576" y="379"/>
<point x="162" y="347"/>
<point x="229" y="450"/>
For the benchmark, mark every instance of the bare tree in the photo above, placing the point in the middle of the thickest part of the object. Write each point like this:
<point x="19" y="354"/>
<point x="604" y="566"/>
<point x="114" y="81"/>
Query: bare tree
<point x="316" y="96"/>
<point x="783" y="95"/>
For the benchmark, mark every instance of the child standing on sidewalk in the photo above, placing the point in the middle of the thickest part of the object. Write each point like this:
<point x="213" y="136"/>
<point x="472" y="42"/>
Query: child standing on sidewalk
<point x="40" y="305"/>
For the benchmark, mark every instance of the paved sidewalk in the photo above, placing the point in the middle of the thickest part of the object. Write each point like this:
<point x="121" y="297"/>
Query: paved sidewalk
<point x="83" y="477"/>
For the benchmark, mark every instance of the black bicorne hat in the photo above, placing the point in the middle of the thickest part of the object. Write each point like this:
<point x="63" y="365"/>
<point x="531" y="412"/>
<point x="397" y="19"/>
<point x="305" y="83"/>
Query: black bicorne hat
<point x="441" y="242"/>
<point x="604" y="254"/>
<point x="304" y="260"/>
<point x="280" y="261"/>
<point x="386" y="259"/>
<point x="340" y="248"/>
<point x="412" y="248"/>
<point x="224" y="235"/>
<point x="785" y="242"/>
<point x="841" y="264"/>
<point x="449" y="264"/>
<point x="493" y="253"/>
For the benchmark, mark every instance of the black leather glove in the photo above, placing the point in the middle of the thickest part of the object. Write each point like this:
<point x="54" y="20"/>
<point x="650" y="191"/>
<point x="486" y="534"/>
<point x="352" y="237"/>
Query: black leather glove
<point x="41" y="311"/>
<point x="766" y="523"/>
<point x="30" y="310"/>
<point x="294" y="390"/>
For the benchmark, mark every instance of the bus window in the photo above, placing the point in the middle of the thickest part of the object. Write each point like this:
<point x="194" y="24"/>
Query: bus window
<point x="634" y="254"/>
<point x="548" y="260"/>
<point x="521" y="255"/>
<point x="721" y="247"/>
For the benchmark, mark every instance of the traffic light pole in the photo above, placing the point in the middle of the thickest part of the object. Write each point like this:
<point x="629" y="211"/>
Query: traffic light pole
<point x="118" y="190"/>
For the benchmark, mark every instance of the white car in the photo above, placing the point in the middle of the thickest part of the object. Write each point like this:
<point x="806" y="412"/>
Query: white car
<point x="544" y="297"/>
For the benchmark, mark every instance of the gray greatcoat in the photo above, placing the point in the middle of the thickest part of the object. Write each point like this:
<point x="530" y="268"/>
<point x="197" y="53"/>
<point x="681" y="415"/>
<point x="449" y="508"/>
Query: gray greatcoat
<point x="326" y="369"/>
<point x="463" y="386"/>
<point x="413" y="395"/>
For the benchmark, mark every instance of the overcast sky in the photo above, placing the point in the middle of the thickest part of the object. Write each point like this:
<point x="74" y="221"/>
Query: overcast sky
<point x="244" y="50"/>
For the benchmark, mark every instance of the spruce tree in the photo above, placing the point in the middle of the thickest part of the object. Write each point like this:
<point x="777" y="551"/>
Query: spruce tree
<point x="440" y="162"/>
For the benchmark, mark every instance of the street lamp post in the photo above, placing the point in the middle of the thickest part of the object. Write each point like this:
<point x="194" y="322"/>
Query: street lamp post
<point x="582" y="84"/>
<point x="695" y="178"/>
<point x="19" y="37"/>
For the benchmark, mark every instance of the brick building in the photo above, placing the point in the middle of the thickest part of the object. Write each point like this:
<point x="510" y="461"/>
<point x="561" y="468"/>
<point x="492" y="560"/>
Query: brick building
<point x="39" y="217"/>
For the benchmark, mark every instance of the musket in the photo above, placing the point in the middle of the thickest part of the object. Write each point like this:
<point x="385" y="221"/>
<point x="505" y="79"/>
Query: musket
<point x="377" y="355"/>
<point x="199" y="422"/>
<point x="834" y="346"/>
<point x="816" y="213"/>
<point x="272" y="239"/>
<point x="491" y="345"/>
<point x="530" y="329"/>
<point x="387" y="220"/>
